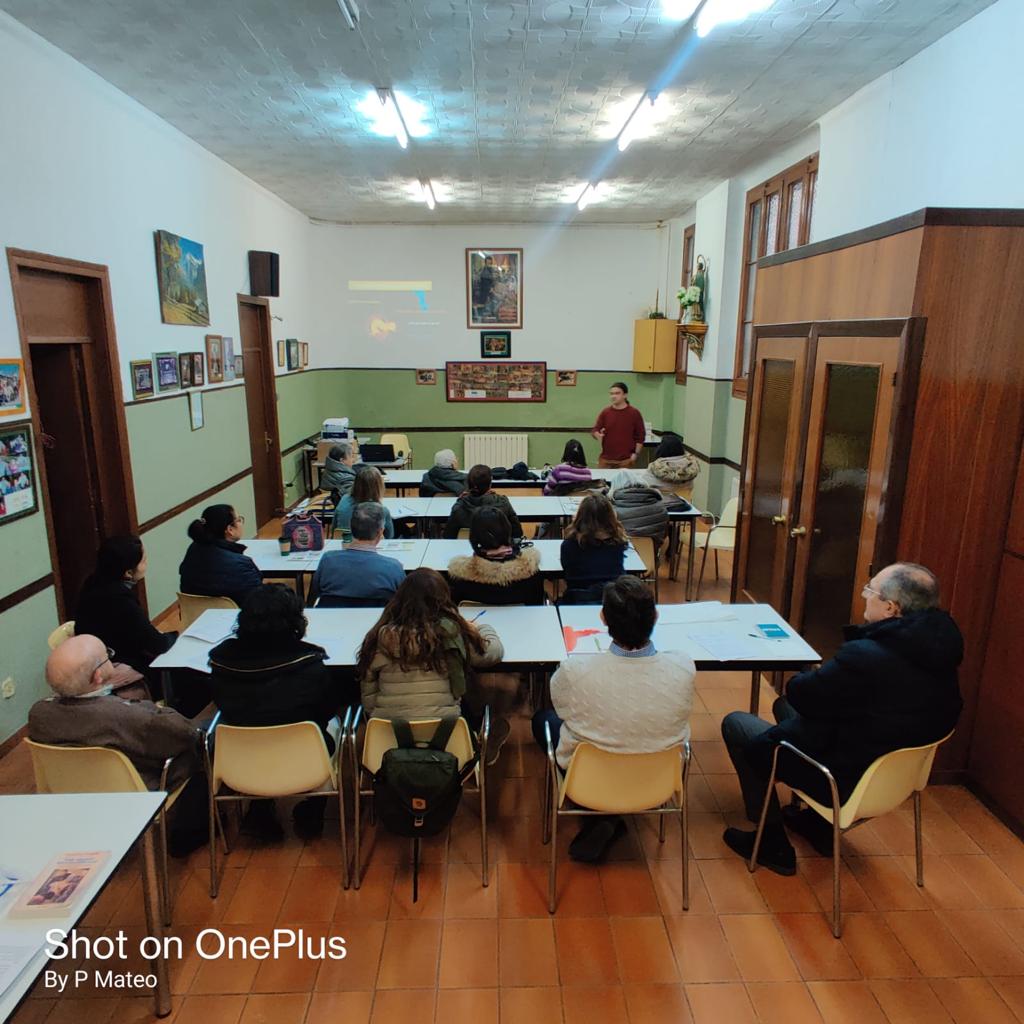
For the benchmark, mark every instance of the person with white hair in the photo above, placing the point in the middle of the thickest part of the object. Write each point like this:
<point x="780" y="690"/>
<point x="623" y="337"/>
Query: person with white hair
<point x="444" y="477"/>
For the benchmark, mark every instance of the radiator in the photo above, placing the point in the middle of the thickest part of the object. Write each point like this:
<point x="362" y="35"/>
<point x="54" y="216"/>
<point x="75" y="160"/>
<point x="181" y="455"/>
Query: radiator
<point x="494" y="449"/>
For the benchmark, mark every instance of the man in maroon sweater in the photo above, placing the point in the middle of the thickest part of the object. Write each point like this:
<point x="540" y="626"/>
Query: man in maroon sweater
<point x="620" y="429"/>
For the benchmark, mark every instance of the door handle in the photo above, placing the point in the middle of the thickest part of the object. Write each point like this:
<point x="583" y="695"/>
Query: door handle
<point x="779" y="520"/>
<point x="798" y="531"/>
<point x="268" y="441"/>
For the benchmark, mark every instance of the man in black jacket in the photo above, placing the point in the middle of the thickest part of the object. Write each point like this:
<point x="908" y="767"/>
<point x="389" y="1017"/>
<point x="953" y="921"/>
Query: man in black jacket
<point x="892" y="684"/>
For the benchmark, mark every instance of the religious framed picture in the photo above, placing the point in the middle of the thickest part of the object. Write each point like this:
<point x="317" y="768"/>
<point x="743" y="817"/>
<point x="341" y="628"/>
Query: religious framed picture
<point x="426" y="376"/>
<point x="142" y="378"/>
<point x="495" y="344"/>
<point x="214" y="358"/>
<point x="17" y="473"/>
<point x="280" y="352"/>
<point x="181" y="276"/>
<point x="494" y="288"/>
<point x="198" y="372"/>
<point x="294" y="354"/>
<point x="166" y="371"/>
<point x="239" y="366"/>
<point x="305" y="354"/>
<point x="227" y="346"/>
<point x="565" y="378"/>
<point x="185" y="369"/>
<point x="12" y="387"/>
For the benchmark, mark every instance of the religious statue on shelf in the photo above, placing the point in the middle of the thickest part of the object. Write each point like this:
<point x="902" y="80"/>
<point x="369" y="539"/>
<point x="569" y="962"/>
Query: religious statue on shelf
<point x="691" y="307"/>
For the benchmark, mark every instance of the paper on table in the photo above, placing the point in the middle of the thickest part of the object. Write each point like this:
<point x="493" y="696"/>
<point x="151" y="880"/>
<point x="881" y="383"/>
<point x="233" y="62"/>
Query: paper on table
<point x="212" y="628"/>
<point x="728" y="647"/>
<point x="395" y="545"/>
<point x="14" y="958"/>
<point x="699" y="611"/>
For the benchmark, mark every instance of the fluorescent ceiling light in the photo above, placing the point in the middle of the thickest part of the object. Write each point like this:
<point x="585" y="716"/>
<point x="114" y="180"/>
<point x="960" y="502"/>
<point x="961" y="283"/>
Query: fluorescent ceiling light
<point x="678" y="10"/>
<point x="592" y="193"/>
<point x="719" y="12"/>
<point x="423" y="192"/>
<point x="639" y="123"/>
<point x="350" y="12"/>
<point x="393" y="113"/>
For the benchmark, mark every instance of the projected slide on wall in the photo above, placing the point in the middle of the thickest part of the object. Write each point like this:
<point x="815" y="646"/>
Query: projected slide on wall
<point x="394" y="309"/>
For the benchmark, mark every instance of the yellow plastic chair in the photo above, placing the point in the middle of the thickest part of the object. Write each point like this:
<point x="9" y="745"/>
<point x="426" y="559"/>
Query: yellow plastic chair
<point x="271" y="761"/>
<point x="60" y="634"/>
<point x="191" y="606"/>
<point x="886" y="784"/>
<point x="601" y="782"/>
<point x="60" y="769"/>
<point x="400" y="442"/>
<point x="379" y="737"/>
<point x="721" y="537"/>
<point x="649" y="551"/>
<point x="463" y="533"/>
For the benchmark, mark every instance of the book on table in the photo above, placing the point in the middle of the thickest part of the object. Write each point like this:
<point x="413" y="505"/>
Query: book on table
<point x="56" y="891"/>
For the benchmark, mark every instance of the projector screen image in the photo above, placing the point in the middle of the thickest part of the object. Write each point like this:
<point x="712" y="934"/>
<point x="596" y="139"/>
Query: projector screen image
<point x="394" y="309"/>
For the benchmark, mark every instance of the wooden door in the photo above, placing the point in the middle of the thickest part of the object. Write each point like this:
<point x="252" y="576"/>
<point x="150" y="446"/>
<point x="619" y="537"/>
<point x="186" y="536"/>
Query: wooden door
<point x="261" y="405"/>
<point x="772" y="463"/>
<point x="849" y="449"/>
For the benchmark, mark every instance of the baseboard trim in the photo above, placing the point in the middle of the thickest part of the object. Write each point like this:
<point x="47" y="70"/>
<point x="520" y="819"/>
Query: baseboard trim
<point x="12" y="741"/>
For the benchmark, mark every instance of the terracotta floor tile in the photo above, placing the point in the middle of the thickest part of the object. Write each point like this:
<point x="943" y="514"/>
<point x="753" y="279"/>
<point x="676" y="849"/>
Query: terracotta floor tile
<point x="972" y="1001"/>
<point x="364" y="941"/>
<point x="227" y="975"/>
<point x="258" y="897"/>
<point x="333" y="1007"/>
<point x="935" y="952"/>
<point x="846" y="1002"/>
<point x="701" y="951"/>
<point x="1012" y="991"/>
<point x="211" y="1010"/>
<point x="469" y="1005"/>
<point x="783" y="1003"/>
<point x="311" y="895"/>
<point x="875" y="949"/>
<point x="1012" y="922"/>
<point x="1011" y="863"/>
<point x="886" y="883"/>
<point x="586" y="951"/>
<point x="982" y="826"/>
<point x="647" y="832"/>
<point x="275" y="1009"/>
<point x="943" y="888"/>
<point x="466" y="896"/>
<point x="817" y="872"/>
<point x="579" y="891"/>
<point x="87" y="1010"/>
<point x="758" y="949"/>
<point x="193" y="905"/>
<point x="987" y="882"/>
<point x="286" y="974"/>
<point x="818" y="956"/>
<point x="523" y="890"/>
<point x="371" y="901"/>
<point x="526" y="952"/>
<point x="731" y="887"/>
<point x="628" y="890"/>
<point x="987" y="943"/>
<point x="604" y="1005"/>
<point x="33" y="1011"/>
<point x="667" y="877"/>
<point x="726" y="790"/>
<point x="717" y="1004"/>
<point x="909" y="1002"/>
<point x="706" y="836"/>
<point x="785" y="895"/>
<point x="137" y="1010"/>
<point x="531" y="1005"/>
<point x="469" y="954"/>
<point x="403" y="1006"/>
<point x="644" y="950"/>
<point x="864" y="841"/>
<point x="410" y="955"/>
<point x="897" y="832"/>
<point x="944" y="835"/>
<point x="430" y="901"/>
<point x="657" y="1004"/>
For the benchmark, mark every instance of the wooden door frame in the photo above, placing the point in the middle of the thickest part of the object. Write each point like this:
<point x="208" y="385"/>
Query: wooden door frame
<point x="18" y="259"/>
<point x="269" y="396"/>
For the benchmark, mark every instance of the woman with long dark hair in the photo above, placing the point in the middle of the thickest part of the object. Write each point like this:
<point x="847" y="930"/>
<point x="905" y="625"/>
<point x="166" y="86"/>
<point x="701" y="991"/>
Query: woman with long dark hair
<point x="500" y="570"/>
<point x="594" y="549"/>
<point x="216" y="564"/>
<point x="368" y="486"/>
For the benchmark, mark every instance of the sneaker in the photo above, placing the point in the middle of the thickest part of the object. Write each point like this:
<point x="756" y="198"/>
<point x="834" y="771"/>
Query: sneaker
<point x="813" y="827"/>
<point x="595" y="839"/>
<point x="500" y="730"/>
<point x="774" y="856"/>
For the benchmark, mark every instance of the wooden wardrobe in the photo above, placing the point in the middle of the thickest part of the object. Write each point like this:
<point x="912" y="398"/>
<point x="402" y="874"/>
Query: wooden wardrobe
<point x="884" y="421"/>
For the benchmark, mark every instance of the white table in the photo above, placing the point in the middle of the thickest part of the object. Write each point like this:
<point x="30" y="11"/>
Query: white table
<point x="529" y="507"/>
<point x="680" y="627"/>
<point x="403" y="479"/>
<point x="40" y="827"/>
<point x="269" y="560"/>
<point x="440" y="552"/>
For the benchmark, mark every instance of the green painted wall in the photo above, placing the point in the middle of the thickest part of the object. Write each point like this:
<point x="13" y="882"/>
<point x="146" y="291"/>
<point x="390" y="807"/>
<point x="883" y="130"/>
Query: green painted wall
<point x="301" y="399"/>
<point x="24" y="552"/>
<point x="23" y="633"/>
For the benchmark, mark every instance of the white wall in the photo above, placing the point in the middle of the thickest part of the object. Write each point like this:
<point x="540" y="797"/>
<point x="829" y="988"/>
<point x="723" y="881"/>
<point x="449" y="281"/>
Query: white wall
<point x="582" y="286"/>
<point x="943" y="129"/>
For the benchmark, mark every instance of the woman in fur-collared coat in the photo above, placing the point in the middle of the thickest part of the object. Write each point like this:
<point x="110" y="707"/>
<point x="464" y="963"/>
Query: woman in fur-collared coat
<point x="497" y="572"/>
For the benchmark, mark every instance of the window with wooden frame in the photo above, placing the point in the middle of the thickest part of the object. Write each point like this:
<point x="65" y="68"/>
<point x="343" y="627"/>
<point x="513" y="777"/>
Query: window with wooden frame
<point x="778" y="217"/>
<point x="684" y="282"/>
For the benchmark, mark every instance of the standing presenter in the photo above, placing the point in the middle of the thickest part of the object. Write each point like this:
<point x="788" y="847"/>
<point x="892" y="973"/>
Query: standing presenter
<point x="620" y="429"/>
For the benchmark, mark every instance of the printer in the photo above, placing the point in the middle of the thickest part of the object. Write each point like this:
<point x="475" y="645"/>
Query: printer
<point x="337" y="430"/>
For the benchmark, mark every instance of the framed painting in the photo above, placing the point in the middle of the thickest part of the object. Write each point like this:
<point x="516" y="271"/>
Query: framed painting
<point x="228" y="348"/>
<point x="166" y="371"/>
<point x="17" y="473"/>
<point x="496" y="382"/>
<point x="198" y="371"/>
<point x="185" y="369"/>
<point x="565" y="378"/>
<point x="294" y="354"/>
<point x="495" y="344"/>
<point x="214" y="358"/>
<point x="12" y="387"/>
<point x="181" y="276"/>
<point x="239" y="366"/>
<point x="195" y="410"/>
<point x="494" y="288"/>
<point x="142" y="378"/>
<point x="426" y="376"/>
<point x="280" y="352"/>
<point x="305" y="354"/>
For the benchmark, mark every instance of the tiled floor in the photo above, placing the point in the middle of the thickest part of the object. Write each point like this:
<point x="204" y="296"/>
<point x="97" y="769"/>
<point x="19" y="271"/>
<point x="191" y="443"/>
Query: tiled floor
<point x="619" y="949"/>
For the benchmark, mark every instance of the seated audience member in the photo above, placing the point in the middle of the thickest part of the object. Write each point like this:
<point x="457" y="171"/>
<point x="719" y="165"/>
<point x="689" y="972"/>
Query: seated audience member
<point x="368" y="486"/>
<point x="671" y="468"/>
<point x="358" y="575"/>
<point x="642" y="511"/>
<point x="444" y="477"/>
<point x="109" y="609"/>
<point x="630" y="700"/>
<point x="216" y="564"/>
<point x="594" y="549"/>
<point x="500" y="570"/>
<point x="338" y="473"/>
<point x="418" y="659"/>
<point x="266" y="674"/>
<point x="571" y="473"/>
<point x="892" y="684"/>
<point x="479" y="495"/>
<point x="84" y="712"/>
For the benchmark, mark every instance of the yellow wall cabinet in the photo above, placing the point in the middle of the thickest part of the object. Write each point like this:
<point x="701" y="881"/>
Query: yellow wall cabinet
<point x="654" y="346"/>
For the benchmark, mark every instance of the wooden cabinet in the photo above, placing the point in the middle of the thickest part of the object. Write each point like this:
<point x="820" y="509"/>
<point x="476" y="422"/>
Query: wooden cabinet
<point x="654" y="346"/>
<point x="884" y="422"/>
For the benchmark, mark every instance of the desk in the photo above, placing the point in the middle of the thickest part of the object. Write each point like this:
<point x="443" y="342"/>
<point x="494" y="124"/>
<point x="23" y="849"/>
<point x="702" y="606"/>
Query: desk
<point x="316" y="468"/>
<point x="679" y="626"/>
<point x="440" y="552"/>
<point x="38" y="828"/>
<point x="407" y="479"/>
<point x="269" y="560"/>
<point x="529" y="508"/>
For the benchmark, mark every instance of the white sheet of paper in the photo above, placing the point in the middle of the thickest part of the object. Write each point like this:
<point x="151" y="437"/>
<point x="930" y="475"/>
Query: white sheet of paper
<point x="699" y="611"/>
<point x="212" y="628"/>
<point x="729" y="647"/>
<point x="395" y="545"/>
<point x="14" y="958"/>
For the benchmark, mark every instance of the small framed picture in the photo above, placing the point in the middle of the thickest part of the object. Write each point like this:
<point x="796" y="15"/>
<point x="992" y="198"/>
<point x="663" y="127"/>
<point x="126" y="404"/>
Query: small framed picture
<point x="565" y="378"/>
<point x="294" y="354"/>
<point x="305" y="354"/>
<point x="239" y="366"/>
<point x="166" y="371"/>
<point x="228" y="348"/>
<point x="426" y="376"/>
<point x="185" y="369"/>
<point x="280" y="352"/>
<point x="142" y="378"/>
<point x="12" y="387"/>
<point x="195" y="410"/>
<point x="17" y="473"/>
<point x="495" y="344"/>
<point x="214" y="358"/>
<point x="198" y="371"/>
<point x="494" y="288"/>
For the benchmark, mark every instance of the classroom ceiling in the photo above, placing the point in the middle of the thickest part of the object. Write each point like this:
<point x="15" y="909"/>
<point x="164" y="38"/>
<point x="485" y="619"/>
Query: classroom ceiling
<point x="520" y="100"/>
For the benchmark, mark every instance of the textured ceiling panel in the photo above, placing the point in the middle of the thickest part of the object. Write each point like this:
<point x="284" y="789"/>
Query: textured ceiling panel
<point x="521" y="100"/>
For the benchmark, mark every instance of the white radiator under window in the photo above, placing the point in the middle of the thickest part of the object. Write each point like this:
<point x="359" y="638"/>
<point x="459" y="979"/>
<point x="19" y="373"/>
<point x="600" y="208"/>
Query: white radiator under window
<point x="494" y="449"/>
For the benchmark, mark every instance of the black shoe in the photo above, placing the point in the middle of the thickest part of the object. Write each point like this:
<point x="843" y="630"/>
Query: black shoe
<point x="181" y="844"/>
<point x="814" y="828"/>
<point x="774" y="856"/>
<point x="308" y="817"/>
<point x="595" y="839"/>
<point x="500" y="730"/>
<point x="261" y="822"/>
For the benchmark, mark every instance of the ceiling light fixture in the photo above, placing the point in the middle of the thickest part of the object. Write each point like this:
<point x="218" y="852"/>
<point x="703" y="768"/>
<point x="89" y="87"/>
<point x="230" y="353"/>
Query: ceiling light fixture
<point x="718" y="12"/>
<point x="428" y="194"/>
<point x="678" y="10"/>
<point x="350" y="12"/>
<point x="393" y="116"/>
<point x="593" y="192"/>
<point x="638" y="121"/>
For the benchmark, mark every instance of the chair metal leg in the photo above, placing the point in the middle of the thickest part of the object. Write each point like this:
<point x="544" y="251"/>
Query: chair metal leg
<point x="837" y="923"/>
<point x="356" y="830"/>
<point x="483" y="824"/>
<point x="165" y="885"/>
<point x="552" y="880"/>
<point x="345" y="872"/>
<point x="755" y="691"/>
<point x="769" y="790"/>
<point x="684" y="820"/>
<point x="661" y="828"/>
<point x="545" y="796"/>
<point x="213" y="844"/>
<point x="918" y="841"/>
<point x="700" y="577"/>
<point x="716" y="563"/>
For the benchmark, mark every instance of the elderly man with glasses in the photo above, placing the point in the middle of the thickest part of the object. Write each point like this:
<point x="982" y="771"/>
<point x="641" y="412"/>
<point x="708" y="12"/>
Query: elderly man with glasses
<point x="892" y="684"/>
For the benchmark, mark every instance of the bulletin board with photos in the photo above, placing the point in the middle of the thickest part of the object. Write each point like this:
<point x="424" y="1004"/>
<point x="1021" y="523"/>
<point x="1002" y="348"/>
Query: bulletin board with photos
<point x="496" y="382"/>
<point x="17" y="472"/>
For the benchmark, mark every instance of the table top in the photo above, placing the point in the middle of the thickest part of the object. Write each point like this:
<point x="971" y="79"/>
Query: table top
<point x="526" y="506"/>
<point x="412" y="478"/>
<point x="39" y="827"/>
<point x="715" y="635"/>
<point x="440" y="552"/>
<point x="269" y="560"/>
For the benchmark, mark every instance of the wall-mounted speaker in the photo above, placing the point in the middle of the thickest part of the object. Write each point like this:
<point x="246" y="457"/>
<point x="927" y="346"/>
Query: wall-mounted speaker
<point x="264" y="273"/>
